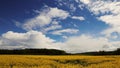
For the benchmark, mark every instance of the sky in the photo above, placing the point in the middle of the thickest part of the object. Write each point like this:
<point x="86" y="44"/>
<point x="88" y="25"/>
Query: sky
<point x="71" y="25"/>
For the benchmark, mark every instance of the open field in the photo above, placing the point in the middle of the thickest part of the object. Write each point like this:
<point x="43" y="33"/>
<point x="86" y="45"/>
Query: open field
<point x="67" y="61"/>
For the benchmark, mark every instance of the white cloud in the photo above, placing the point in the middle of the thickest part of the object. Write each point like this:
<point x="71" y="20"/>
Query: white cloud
<point x="107" y="11"/>
<point x="85" y="1"/>
<point x="55" y="12"/>
<point x="78" y="18"/>
<point x="86" y="43"/>
<point x="31" y="39"/>
<point x="37" y="22"/>
<point x="44" y="18"/>
<point x="0" y="42"/>
<point x="113" y="20"/>
<point x="70" y="31"/>
<point x="53" y="27"/>
<point x="104" y="7"/>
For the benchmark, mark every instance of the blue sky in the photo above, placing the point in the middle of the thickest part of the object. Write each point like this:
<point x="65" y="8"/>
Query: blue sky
<point x="71" y="25"/>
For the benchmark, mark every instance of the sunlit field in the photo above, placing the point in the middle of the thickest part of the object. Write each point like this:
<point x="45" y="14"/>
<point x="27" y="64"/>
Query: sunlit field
<point x="69" y="61"/>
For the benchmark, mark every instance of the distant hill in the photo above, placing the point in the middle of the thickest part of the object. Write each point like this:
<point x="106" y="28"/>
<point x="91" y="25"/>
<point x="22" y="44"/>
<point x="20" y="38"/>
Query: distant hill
<point x="54" y="52"/>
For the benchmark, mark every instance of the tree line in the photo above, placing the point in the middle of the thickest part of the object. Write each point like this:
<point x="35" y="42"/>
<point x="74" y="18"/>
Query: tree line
<point x="115" y="52"/>
<point x="34" y="52"/>
<point x="54" y="52"/>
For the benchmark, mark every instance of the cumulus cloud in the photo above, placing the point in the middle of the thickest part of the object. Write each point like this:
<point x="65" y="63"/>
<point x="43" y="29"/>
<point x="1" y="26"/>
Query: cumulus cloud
<point x="44" y="18"/>
<point x="31" y="39"/>
<point x="86" y="43"/>
<point x="70" y="31"/>
<point x="78" y="18"/>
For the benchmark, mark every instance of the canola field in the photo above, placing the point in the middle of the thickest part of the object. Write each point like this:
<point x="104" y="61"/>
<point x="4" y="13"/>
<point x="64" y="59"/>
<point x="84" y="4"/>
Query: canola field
<point x="65" y="61"/>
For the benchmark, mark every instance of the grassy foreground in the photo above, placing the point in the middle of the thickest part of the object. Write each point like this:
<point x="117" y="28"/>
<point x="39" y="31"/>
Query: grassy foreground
<point x="68" y="61"/>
